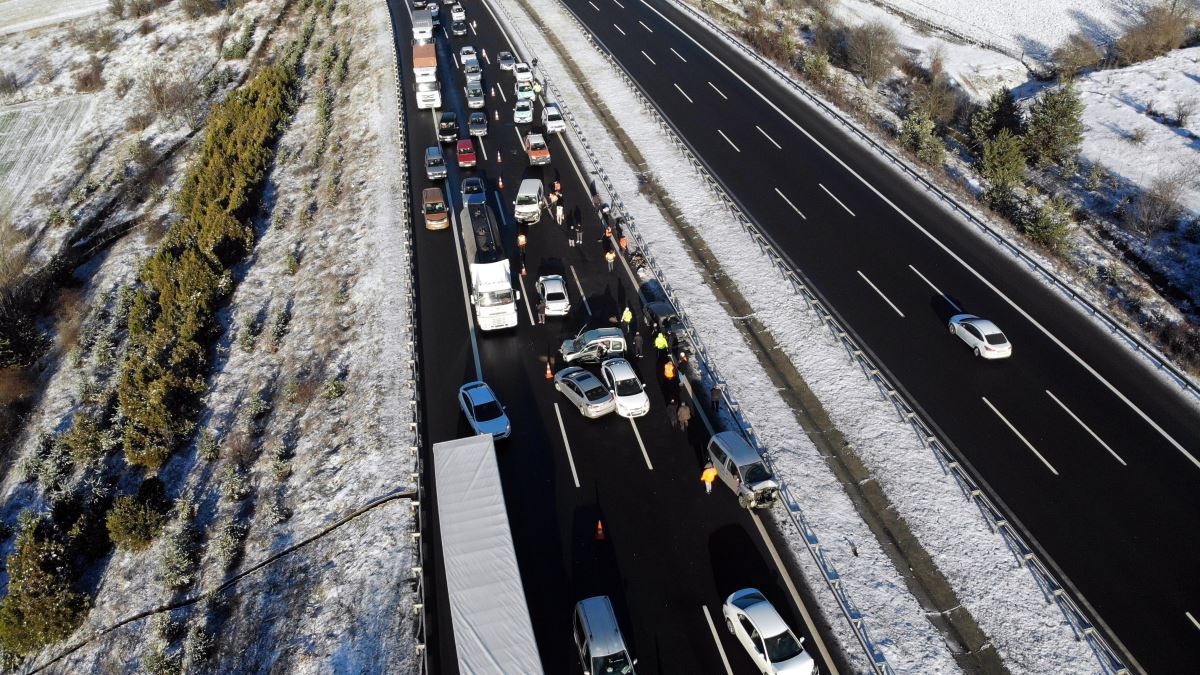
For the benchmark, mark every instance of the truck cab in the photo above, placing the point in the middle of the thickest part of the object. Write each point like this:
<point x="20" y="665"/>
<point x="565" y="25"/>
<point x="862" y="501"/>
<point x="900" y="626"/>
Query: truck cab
<point x="422" y="25"/>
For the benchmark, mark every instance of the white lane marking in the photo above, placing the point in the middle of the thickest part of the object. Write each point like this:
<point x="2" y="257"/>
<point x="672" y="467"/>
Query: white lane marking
<point x="1193" y="620"/>
<point x="1020" y="436"/>
<point x="1086" y="428"/>
<point x="482" y="149"/>
<point x="768" y="137"/>
<point x="619" y="4"/>
<point x="1028" y="317"/>
<point x="689" y="98"/>
<point x="473" y="31"/>
<point x="485" y="58"/>
<point x="640" y="444"/>
<point x="593" y="5"/>
<point x="789" y="203"/>
<point x="936" y="289"/>
<point x="583" y="295"/>
<point x="462" y="275"/>
<point x="717" y="639"/>
<point x="618" y="29"/>
<point x="644" y="25"/>
<point x="648" y="57"/>
<point x="728" y="141"/>
<point x="678" y="54"/>
<point x="566" y="444"/>
<point x="525" y="297"/>
<point x="787" y="579"/>
<point x="836" y="199"/>
<point x="718" y="90"/>
<point x="500" y="90"/>
<point x="876" y="288"/>
<point x="456" y="63"/>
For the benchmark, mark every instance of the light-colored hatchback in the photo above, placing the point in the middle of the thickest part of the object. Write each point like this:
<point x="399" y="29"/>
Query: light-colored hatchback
<point x="629" y="391"/>
<point x="981" y="335"/>
<point x="598" y="638"/>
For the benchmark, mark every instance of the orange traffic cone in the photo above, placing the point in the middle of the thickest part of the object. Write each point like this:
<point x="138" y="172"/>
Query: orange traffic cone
<point x="599" y="531"/>
<point x="494" y="96"/>
<point x="523" y="272"/>
<point x="549" y="375"/>
<point x="499" y="157"/>
<point x="496" y="114"/>
<point x="500" y="180"/>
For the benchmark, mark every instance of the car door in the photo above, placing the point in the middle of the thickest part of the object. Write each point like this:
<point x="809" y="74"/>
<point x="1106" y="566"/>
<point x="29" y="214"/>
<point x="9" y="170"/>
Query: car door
<point x="575" y="395"/>
<point x="974" y="337"/>
<point x="469" y="410"/>
<point x="753" y="643"/>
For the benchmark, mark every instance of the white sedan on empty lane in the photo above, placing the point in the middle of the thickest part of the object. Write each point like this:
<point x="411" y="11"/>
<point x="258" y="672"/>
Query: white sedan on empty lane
<point x="981" y="335"/>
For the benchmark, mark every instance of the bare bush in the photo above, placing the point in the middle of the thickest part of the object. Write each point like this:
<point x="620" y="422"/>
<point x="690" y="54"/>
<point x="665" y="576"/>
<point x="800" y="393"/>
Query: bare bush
<point x="1162" y="27"/>
<point x="14" y="252"/>
<point x="871" y="50"/>
<point x="932" y="91"/>
<point x="45" y="69"/>
<point x="166" y="95"/>
<point x="96" y="39"/>
<point x="1077" y="54"/>
<point x="198" y="8"/>
<point x="1184" y="108"/>
<point x="116" y="8"/>
<point x="140" y="8"/>
<point x="9" y="84"/>
<point x="1160" y="204"/>
<point x="90" y="76"/>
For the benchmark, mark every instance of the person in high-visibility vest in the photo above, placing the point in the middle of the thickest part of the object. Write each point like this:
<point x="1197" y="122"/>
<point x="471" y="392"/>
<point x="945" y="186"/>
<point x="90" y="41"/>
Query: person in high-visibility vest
<point x="660" y="341"/>
<point x="669" y="370"/>
<point x="521" y="240"/>
<point x="709" y="475"/>
<point x="627" y="318"/>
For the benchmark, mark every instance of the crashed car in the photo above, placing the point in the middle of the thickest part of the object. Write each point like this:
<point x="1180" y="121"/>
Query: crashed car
<point x="661" y="316"/>
<point x="593" y="346"/>
<point x="740" y="466"/>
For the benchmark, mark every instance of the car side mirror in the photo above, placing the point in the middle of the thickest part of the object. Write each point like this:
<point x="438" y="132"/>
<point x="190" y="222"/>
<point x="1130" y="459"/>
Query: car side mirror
<point x="518" y="295"/>
<point x="472" y="299"/>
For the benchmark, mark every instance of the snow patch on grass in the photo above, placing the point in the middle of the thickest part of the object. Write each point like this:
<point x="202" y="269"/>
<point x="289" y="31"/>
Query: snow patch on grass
<point x="22" y="15"/>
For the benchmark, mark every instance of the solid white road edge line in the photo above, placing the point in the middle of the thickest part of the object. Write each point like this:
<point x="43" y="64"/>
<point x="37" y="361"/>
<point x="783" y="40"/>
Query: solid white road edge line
<point x="876" y="289"/>
<point x="582" y="295"/>
<point x="689" y="98"/>
<point x="678" y="54"/>
<point x="768" y="137"/>
<point x="787" y="580"/>
<point x="648" y="58"/>
<point x="1023" y="439"/>
<point x="728" y="141"/>
<point x="836" y="199"/>
<point x="1028" y="317"/>
<point x="789" y="203"/>
<point x="715" y="87"/>
<point x="618" y="29"/>
<point x="936" y="289"/>
<point x="716" y="639"/>
<point x="641" y="445"/>
<point x="1086" y="428"/>
<point x="462" y="275"/>
<point x="566" y="444"/>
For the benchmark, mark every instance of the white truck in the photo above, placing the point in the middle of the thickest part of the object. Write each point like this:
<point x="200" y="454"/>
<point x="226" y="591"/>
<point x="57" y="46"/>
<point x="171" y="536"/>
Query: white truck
<point x="493" y="632"/>
<point x="422" y="25"/>
<point x="429" y="95"/>
<point x="492" y="292"/>
<point x="424" y="62"/>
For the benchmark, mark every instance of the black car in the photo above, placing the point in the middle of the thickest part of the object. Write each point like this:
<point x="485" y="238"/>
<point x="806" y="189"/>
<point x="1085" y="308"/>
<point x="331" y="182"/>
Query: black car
<point x="660" y="316"/>
<point x="448" y="127"/>
<point x="458" y="28"/>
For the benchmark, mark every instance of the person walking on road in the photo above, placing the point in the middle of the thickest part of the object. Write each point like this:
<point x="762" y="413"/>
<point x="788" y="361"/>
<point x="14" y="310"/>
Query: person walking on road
<point x="637" y="343"/>
<point x="685" y="416"/>
<point x="714" y="397"/>
<point x="558" y="213"/>
<point x="709" y="475"/>
<point x="660" y="342"/>
<point x="541" y="311"/>
<point x="627" y="319"/>
<point x="611" y="259"/>
<point x="673" y="413"/>
<point x="571" y="229"/>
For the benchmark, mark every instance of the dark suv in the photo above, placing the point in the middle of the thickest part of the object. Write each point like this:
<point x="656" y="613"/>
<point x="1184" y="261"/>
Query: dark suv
<point x="448" y="127"/>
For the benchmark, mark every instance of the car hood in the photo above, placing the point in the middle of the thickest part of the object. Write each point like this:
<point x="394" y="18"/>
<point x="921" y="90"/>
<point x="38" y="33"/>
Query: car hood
<point x="764" y="485"/>
<point x="497" y="426"/>
<point x="800" y="664"/>
<point x="633" y="401"/>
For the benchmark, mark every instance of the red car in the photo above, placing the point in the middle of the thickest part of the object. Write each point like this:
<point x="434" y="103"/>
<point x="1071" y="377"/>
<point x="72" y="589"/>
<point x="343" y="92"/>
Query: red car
<point x="465" y="153"/>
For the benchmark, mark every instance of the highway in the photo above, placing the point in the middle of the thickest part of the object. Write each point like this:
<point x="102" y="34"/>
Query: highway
<point x="1088" y="450"/>
<point x="671" y="553"/>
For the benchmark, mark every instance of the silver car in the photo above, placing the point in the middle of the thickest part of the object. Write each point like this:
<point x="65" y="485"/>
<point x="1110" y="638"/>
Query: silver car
<point x="435" y="163"/>
<point x="467" y="53"/>
<point x="477" y="124"/>
<point x="523" y="112"/>
<point x="483" y="410"/>
<point x="585" y="392"/>
<point x="552" y="288"/>
<point x="475" y="99"/>
<point x="772" y="646"/>
<point x="473" y="72"/>
<point x="593" y="346"/>
<point x="474" y="191"/>
<point x="981" y="335"/>
<point x="506" y="60"/>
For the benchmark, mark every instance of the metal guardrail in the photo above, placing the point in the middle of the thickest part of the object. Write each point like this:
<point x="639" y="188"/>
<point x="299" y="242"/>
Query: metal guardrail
<point x="853" y="615"/>
<point x="1161" y="362"/>
<point x="1053" y="591"/>
<point x="417" y="535"/>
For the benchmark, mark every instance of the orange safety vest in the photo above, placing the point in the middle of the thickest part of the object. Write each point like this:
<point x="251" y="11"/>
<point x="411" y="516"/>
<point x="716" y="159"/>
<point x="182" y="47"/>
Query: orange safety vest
<point x="669" y="370"/>
<point x="624" y="243"/>
<point x="607" y="231"/>
<point x="709" y="475"/>
<point x="521" y="240"/>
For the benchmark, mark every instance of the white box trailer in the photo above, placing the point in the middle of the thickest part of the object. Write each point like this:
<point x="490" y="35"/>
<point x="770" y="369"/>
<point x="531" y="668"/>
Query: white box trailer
<point x="492" y="629"/>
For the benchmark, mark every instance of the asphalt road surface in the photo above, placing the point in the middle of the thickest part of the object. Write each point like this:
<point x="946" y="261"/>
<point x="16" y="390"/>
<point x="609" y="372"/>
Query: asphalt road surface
<point x="671" y="553"/>
<point x="1091" y="452"/>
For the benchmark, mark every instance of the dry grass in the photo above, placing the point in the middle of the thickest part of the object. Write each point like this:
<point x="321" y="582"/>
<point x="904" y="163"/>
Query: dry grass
<point x="69" y="317"/>
<point x="90" y="76"/>
<point x="14" y="385"/>
<point x="1162" y="27"/>
<point x="14" y="252"/>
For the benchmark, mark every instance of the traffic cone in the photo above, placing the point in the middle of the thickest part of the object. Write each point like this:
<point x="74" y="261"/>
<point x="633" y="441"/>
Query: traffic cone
<point x="499" y="157"/>
<point x="599" y="531"/>
<point x="524" y="274"/>
<point x="496" y="113"/>
<point x="500" y="180"/>
<point x="493" y="90"/>
<point x="549" y="375"/>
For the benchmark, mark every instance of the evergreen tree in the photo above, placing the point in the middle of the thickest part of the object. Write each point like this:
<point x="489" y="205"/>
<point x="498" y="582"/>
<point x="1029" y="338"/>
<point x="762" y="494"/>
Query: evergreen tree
<point x="917" y="134"/>
<point x="1050" y="224"/>
<point x="1000" y="112"/>
<point x="1055" y="127"/>
<point x="1002" y="165"/>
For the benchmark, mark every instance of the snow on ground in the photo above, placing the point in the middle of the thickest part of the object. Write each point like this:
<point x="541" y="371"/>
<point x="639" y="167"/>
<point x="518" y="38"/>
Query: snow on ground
<point x="1028" y="633"/>
<point x="1033" y="27"/>
<point x="33" y="139"/>
<point x="22" y="15"/>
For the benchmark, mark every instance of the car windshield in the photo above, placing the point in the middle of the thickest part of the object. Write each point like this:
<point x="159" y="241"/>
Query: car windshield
<point x="782" y="647"/>
<point x="996" y="339"/>
<point x="555" y="296"/>
<point x="487" y="411"/>
<point x="537" y="145"/>
<point x="525" y="200"/>
<point x="614" y="663"/>
<point x="628" y="387"/>
<point x="466" y="151"/>
<point x="435" y="207"/>
<point x="524" y="105"/>
<point x="757" y="473"/>
<point x="596" y="393"/>
<point x="436" y="161"/>
<point x="524" y="86"/>
<point x="472" y="188"/>
<point x="553" y="116"/>
<point x="496" y="298"/>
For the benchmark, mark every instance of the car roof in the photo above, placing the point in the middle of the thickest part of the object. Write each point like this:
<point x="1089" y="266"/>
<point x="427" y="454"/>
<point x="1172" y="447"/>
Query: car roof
<point x="434" y="150"/>
<point x="478" y="392"/>
<point x="465" y="142"/>
<point x="986" y="327"/>
<point x="432" y="194"/>
<point x="605" y="637"/>
<point x="737" y="448"/>
<point x="602" y="333"/>
<point x="765" y="618"/>
<point x="620" y="369"/>
<point x="661" y="308"/>
<point x="532" y="185"/>
<point x="552" y="278"/>
<point x="581" y="376"/>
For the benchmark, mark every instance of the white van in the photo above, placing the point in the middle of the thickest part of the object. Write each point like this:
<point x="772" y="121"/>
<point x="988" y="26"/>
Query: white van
<point x="527" y="207"/>
<point x="741" y="467"/>
<point x="598" y="638"/>
<point x="552" y="119"/>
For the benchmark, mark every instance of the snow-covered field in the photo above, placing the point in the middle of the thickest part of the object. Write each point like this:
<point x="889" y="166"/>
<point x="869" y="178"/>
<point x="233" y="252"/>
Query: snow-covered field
<point x="22" y="15"/>
<point x="1035" y="27"/>
<point x="1028" y="633"/>
<point x="33" y="139"/>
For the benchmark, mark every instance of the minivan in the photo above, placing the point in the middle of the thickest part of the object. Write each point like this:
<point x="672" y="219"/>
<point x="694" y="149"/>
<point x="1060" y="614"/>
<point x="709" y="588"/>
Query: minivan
<point x="435" y="163"/>
<point x="740" y="466"/>
<point x="527" y="207"/>
<point x="433" y="203"/>
<point x="593" y="346"/>
<point x="598" y="638"/>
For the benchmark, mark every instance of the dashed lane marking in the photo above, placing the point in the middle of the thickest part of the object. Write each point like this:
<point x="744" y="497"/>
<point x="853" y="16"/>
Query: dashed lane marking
<point x="836" y="199"/>
<point x="789" y="203"/>
<point x="566" y="444"/>
<point x="876" y="289"/>
<point x="1086" y="428"/>
<point x="717" y="639"/>
<point x="1020" y="436"/>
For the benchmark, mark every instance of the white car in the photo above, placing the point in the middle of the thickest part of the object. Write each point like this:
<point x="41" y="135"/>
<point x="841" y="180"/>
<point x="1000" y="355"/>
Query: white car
<point x="552" y="119"/>
<point x="467" y="53"/>
<point x="524" y="91"/>
<point x="522" y="72"/>
<point x="457" y="13"/>
<point x="629" y="391"/>
<point x="585" y="392"/>
<point x="433" y="9"/>
<point x="772" y="646"/>
<point x="981" y="335"/>
<point x="553" y="291"/>
<point x="483" y="410"/>
<point x="523" y="112"/>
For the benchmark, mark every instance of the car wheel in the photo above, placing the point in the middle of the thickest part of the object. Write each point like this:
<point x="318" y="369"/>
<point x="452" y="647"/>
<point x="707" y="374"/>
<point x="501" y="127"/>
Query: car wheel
<point x="977" y="352"/>
<point x="729" y="626"/>
<point x="952" y="331"/>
